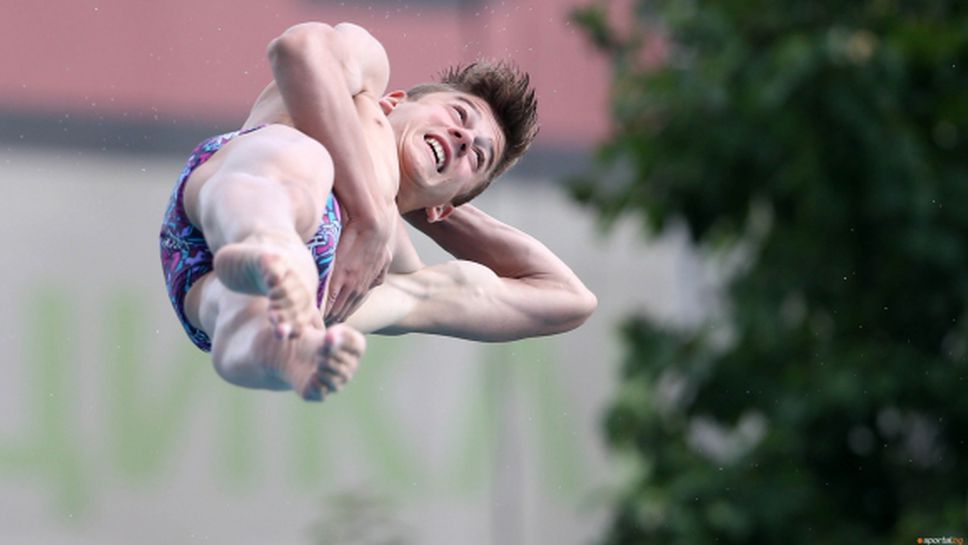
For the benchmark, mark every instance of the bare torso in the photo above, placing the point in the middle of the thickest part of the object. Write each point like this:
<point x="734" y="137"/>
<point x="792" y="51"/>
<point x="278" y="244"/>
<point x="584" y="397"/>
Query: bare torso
<point x="290" y="154"/>
<point x="280" y="152"/>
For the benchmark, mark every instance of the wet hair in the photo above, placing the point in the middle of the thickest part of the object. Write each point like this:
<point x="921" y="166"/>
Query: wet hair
<point x="508" y="92"/>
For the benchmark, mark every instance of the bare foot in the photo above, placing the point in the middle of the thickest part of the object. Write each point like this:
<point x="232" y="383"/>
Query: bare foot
<point x="335" y="363"/>
<point x="316" y="364"/>
<point x="262" y="269"/>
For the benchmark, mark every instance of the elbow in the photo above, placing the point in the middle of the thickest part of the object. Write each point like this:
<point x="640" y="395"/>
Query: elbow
<point x="580" y="304"/>
<point x="301" y="39"/>
<point x="585" y="305"/>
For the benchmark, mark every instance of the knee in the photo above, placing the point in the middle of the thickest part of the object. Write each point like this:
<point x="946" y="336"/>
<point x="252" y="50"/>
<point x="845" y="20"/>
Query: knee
<point x="320" y="164"/>
<point x="306" y="159"/>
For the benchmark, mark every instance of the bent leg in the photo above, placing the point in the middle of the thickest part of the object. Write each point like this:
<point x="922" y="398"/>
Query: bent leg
<point x="272" y="181"/>
<point x="246" y="352"/>
<point x="258" y="202"/>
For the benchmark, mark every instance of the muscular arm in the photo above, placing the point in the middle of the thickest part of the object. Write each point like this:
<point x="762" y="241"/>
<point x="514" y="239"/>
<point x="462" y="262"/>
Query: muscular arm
<point x="321" y="71"/>
<point x="504" y="286"/>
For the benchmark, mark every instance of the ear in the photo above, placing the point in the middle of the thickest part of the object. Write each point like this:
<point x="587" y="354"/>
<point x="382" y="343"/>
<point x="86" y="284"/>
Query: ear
<point x="439" y="212"/>
<point x="392" y="100"/>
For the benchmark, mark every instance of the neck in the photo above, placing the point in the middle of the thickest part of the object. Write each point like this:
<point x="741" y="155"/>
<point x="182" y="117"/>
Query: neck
<point x="405" y="205"/>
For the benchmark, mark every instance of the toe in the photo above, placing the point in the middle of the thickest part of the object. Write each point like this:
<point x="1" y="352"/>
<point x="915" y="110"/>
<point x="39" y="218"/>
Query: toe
<point x="283" y="330"/>
<point x="314" y="389"/>
<point x="312" y="394"/>
<point x="329" y="380"/>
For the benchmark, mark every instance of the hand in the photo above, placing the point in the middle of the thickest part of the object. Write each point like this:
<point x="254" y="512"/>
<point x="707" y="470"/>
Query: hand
<point x="361" y="263"/>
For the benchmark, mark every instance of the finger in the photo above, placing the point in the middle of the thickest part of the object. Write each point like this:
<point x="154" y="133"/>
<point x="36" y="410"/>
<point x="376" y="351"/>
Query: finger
<point x="380" y="278"/>
<point x="381" y="274"/>
<point x="388" y="260"/>
<point x="332" y="304"/>
<point x="342" y="299"/>
<point x="354" y="303"/>
<point x="349" y="306"/>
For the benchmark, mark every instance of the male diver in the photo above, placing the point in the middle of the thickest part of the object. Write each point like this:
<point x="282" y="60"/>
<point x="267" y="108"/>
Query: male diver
<point x="328" y="160"/>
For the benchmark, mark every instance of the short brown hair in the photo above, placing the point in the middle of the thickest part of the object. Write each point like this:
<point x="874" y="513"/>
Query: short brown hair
<point x="507" y="90"/>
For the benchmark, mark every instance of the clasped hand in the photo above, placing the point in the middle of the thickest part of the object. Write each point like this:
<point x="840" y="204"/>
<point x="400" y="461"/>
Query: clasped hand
<point x="361" y="263"/>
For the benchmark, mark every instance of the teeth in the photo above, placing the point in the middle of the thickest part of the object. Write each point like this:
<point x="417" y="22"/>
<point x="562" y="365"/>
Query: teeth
<point x="438" y="152"/>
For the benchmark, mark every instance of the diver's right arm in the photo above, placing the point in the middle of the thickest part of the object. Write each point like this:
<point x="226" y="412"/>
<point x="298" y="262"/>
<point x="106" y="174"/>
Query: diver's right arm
<point x="321" y="71"/>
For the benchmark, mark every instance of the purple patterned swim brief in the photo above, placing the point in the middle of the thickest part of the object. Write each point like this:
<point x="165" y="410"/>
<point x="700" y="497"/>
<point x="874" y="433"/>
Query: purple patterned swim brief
<point x="185" y="256"/>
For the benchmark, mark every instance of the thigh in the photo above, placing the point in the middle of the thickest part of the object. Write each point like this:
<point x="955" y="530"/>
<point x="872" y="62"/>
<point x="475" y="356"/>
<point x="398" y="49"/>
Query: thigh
<point x="276" y="165"/>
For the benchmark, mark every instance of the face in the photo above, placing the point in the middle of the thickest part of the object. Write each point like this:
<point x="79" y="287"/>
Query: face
<point x="447" y="142"/>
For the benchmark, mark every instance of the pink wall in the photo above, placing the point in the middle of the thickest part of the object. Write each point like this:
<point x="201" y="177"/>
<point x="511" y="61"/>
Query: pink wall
<point x="178" y="59"/>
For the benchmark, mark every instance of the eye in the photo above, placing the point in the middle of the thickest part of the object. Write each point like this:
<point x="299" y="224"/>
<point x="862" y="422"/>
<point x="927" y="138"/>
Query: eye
<point x="462" y="113"/>
<point x="480" y="157"/>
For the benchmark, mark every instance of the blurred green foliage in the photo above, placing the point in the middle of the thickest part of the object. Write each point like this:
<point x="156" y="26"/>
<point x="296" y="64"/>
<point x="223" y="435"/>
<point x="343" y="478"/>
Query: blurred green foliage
<point x="824" y="404"/>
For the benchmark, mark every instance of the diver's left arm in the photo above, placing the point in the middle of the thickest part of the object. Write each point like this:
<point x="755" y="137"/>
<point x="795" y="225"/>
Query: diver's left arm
<point x="505" y="285"/>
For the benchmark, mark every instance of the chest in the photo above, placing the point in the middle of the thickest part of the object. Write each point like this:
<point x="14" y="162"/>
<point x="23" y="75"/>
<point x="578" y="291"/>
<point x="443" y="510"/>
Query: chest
<point x="380" y="142"/>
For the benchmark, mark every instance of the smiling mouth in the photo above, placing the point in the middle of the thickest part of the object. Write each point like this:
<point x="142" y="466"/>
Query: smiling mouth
<point x="438" y="150"/>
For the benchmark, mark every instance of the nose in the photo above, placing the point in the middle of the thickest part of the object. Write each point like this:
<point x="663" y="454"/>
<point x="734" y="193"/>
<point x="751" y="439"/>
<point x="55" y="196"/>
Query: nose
<point x="462" y="140"/>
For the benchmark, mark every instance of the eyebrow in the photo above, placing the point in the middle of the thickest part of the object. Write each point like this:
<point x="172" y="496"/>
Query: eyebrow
<point x="485" y="143"/>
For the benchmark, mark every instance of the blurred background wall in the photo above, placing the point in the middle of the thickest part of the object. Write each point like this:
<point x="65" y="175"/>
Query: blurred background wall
<point x="113" y="429"/>
<point x="112" y="68"/>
